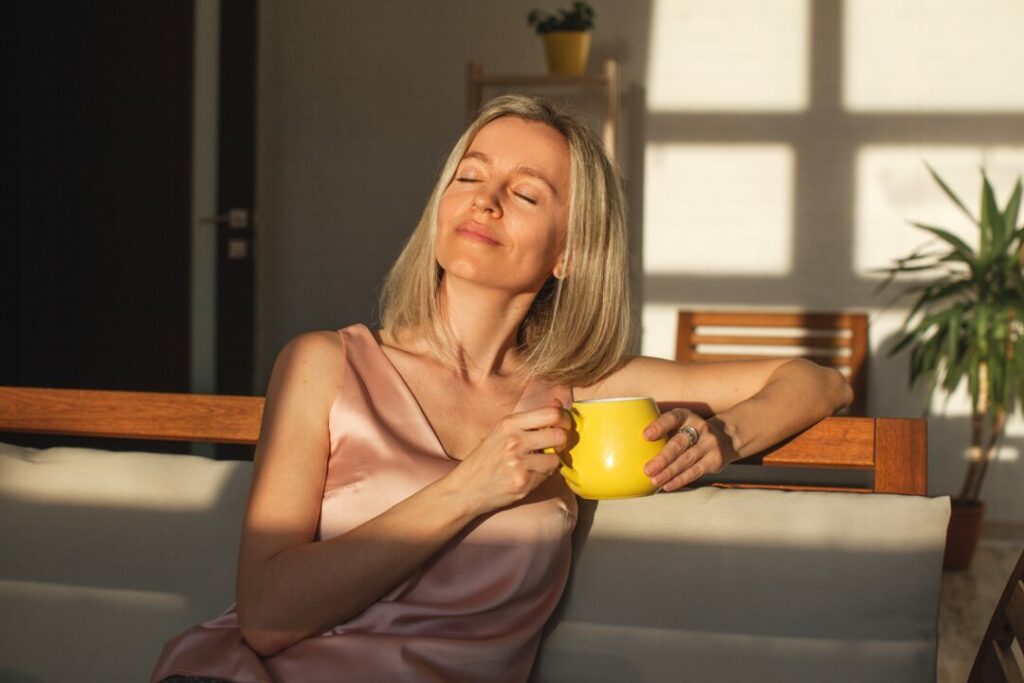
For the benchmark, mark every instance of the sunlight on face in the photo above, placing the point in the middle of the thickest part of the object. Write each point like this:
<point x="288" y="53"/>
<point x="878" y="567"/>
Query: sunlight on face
<point x="922" y="55"/>
<point x="503" y="218"/>
<point x="741" y="55"/>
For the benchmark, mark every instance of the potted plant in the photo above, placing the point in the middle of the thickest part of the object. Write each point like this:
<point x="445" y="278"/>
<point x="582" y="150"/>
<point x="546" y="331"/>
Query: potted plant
<point x="566" y="37"/>
<point x="967" y="323"/>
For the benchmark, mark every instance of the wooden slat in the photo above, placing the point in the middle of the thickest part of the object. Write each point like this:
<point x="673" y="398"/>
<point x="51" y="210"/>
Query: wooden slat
<point x="827" y="361"/>
<point x="771" y="319"/>
<point x="172" y="417"/>
<point x="901" y="447"/>
<point x="843" y="442"/>
<point x="821" y="342"/>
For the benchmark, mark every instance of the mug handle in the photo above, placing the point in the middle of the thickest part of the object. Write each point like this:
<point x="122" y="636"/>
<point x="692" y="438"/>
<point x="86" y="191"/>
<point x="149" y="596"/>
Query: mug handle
<point x="571" y="475"/>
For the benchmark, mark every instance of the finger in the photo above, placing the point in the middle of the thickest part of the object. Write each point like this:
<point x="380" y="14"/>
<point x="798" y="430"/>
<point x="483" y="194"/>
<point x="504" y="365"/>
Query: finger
<point x="674" y="447"/>
<point x="676" y="456"/>
<point x="666" y="423"/>
<point x="684" y="470"/>
<point x="668" y="453"/>
<point x="545" y="463"/>
<point x="538" y="418"/>
<point x="548" y="437"/>
<point x="685" y="478"/>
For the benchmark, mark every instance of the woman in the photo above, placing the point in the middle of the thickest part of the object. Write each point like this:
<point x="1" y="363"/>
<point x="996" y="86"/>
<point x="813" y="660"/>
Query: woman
<point x="403" y="523"/>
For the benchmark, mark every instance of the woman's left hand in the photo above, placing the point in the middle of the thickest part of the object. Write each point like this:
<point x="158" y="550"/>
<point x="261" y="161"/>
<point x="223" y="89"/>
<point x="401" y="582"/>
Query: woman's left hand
<point x="679" y="462"/>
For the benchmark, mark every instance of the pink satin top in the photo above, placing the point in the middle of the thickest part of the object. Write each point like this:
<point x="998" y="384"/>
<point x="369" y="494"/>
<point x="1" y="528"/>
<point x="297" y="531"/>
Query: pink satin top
<point x="474" y="612"/>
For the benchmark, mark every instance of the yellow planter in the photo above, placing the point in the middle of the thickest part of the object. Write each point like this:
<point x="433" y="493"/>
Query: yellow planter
<point x="567" y="52"/>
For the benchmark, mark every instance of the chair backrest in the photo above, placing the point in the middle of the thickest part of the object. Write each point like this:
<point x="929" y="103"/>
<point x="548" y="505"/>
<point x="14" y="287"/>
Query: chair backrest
<point x="996" y="661"/>
<point x="838" y="340"/>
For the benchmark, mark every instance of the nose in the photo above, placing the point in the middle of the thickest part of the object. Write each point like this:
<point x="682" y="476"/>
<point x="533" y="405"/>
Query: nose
<point x="486" y="199"/>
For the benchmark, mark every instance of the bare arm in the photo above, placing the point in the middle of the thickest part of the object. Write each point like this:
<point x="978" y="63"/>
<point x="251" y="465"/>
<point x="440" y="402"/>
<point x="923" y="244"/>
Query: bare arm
<point x="738" y="407"/>
<point x="289" y="587"/>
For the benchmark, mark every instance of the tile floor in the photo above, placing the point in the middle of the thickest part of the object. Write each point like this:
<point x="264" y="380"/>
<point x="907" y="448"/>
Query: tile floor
<point x="969" y="597"/>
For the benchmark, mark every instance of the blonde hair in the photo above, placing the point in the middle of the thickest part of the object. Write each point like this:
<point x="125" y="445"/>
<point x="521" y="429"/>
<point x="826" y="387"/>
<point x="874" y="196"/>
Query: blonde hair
<point x="578" y="328"/>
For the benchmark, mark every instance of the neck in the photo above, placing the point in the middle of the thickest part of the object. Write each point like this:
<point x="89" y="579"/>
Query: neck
<point x="483" y="324"/>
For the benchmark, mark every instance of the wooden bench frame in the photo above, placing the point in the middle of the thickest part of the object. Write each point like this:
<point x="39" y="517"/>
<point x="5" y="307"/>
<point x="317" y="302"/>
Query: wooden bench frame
<point x="894" y="449"/>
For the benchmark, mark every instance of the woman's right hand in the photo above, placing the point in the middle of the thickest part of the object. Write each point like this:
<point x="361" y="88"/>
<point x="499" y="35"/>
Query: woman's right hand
<point x="510" y="462"/>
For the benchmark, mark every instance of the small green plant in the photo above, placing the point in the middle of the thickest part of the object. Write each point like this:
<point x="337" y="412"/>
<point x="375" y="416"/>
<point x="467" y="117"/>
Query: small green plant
<point x="967" y="321"/>
<point x="579" y="18"/>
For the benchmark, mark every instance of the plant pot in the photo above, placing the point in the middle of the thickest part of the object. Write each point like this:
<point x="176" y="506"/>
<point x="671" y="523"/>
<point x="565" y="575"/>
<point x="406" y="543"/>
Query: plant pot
<point x="962" y="535"/>
<point x="567" y="52"/>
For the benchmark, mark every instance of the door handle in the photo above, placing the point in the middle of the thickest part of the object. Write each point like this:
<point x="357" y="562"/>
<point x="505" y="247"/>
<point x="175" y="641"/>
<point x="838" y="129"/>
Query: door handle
<point x="237" y="219"/>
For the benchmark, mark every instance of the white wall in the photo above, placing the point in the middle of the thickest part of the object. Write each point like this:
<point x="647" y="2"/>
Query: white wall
<point x="773" y="152"/>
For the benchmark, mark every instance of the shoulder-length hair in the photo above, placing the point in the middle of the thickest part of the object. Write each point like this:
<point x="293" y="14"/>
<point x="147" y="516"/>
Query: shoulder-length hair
<point x="578" y="328"/>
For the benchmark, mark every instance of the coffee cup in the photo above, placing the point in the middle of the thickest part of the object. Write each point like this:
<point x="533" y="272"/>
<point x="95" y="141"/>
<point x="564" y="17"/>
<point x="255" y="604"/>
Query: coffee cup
<point x="607" y="459"/>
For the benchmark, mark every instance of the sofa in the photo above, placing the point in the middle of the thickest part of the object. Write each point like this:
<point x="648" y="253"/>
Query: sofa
<point x="107" y="554"/>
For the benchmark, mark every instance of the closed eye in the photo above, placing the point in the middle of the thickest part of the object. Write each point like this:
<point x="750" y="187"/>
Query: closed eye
<point x="467" y="180"/>
<point x="529" y="200"/>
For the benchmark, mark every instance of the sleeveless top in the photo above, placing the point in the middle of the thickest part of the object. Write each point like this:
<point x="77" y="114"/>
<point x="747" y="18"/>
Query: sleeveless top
<point x="473" y="612"/>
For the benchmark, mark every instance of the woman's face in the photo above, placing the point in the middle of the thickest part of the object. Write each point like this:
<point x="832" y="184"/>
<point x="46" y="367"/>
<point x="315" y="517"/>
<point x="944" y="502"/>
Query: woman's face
<point x="502" y="220"/>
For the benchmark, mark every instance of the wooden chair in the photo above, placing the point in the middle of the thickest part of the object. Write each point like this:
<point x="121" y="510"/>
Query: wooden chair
<point x="996" y="661"/>
<point x="838" y="340"/>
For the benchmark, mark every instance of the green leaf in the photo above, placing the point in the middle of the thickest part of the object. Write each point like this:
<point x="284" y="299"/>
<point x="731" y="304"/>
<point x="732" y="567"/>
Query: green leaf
<point x="967" y="254"/>
<point x="1012" y="207"/>
<point x="991" y="222"/>
<point x="951" y="194"/>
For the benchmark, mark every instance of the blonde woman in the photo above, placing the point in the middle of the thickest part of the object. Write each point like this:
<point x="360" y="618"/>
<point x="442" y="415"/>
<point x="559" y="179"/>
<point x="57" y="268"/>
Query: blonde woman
<point x="403" y="523"/>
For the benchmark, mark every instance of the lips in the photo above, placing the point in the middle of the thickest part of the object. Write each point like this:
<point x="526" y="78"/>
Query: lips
<point x="477" y="233"/>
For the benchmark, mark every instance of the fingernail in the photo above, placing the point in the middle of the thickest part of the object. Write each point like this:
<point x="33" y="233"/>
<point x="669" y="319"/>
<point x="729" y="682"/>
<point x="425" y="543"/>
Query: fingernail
<point x="648" y="434"/>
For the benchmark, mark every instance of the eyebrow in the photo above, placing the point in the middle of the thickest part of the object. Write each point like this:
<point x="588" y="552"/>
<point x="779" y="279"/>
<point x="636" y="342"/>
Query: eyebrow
<point x="525" y="170"/>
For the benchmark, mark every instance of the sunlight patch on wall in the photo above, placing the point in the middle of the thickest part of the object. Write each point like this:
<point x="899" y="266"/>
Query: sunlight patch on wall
<point x="728" y="55"/>
<point x="893" y="187"/>
<point x="718" y="209"/>
<point x="658" y="327"/>
<point x="932" y="55"/>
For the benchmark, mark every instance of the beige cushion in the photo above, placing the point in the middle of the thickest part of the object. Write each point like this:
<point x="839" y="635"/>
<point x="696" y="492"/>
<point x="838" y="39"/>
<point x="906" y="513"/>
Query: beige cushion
<point x="106" y="555"/>
<point x="751" y="585"/>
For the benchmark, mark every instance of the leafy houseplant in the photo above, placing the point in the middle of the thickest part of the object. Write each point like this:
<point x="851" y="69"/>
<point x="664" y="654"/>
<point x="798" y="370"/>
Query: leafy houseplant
<point x="566" y="37"/>
<point x="967" y="323"/>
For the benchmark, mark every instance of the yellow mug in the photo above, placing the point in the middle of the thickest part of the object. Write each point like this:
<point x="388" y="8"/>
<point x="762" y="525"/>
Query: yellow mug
<point x="608" y="460"/>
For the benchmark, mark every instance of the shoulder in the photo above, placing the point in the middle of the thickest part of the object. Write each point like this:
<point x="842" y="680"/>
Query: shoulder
<point x="311" y="364"/>
<point x="321" y="346"/>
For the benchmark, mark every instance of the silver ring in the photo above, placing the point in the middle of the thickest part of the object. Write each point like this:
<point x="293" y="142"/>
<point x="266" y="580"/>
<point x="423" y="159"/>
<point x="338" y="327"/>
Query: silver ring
<point x="691" y="434"/>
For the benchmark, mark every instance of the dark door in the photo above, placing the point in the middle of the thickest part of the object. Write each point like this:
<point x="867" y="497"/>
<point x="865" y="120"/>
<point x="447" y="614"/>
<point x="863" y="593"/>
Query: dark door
<point x="97" y="257"/>
<point x="235" y="193"/>
<point x="103" y="163"/>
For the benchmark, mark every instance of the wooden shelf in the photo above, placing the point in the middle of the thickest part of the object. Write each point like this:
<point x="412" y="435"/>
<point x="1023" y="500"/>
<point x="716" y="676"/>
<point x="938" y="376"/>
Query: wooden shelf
<point x="608" y="80"/>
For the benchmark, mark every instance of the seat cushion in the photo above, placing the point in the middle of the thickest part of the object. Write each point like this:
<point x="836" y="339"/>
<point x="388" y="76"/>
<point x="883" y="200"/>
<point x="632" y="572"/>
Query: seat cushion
<point x="751" y="585"/>
<point x="108" y="554"/>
